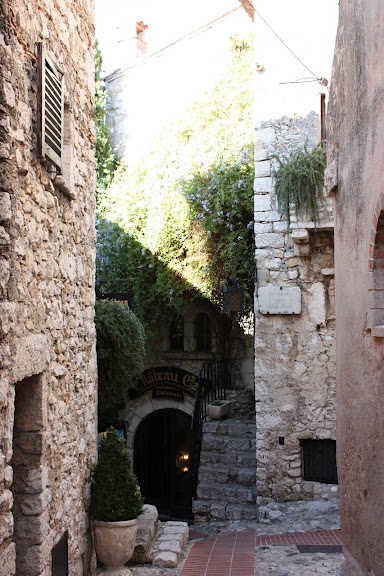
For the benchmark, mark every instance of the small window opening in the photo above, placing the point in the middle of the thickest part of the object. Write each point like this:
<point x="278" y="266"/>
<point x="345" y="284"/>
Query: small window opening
<point x="60" y="557"/>
<point x="203" y="332"/>
<point x="177" y="333"/>
<point x="319" y="461"/>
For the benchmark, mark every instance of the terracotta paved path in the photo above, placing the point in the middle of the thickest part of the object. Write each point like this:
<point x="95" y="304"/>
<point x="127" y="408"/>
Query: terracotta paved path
<point x="234" y="554"/>
<point x="229" y="555"/>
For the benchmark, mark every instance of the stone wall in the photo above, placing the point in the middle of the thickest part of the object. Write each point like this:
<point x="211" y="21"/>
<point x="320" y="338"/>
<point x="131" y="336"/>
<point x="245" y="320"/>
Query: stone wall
<point x="294" y="352"/>
<point x="355" y="177"/>
<point x="47" y="337"/>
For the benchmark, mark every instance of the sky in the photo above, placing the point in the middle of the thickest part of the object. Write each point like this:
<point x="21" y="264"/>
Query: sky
<point x="167" y="20"/>
<point x="174" y="18"/>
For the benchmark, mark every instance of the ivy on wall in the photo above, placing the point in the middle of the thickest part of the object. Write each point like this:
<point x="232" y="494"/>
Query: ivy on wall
<point x="180" y="221"/>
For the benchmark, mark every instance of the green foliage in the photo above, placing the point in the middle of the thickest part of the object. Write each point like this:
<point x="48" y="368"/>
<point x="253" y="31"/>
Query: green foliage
<point x="106" y="162"/>
<point x="180" y="221"/>
<point x="120" y="351"/>
<point x="299" y="181"/>
<point x="115" y="494"/>
<point x="221" y="202"/>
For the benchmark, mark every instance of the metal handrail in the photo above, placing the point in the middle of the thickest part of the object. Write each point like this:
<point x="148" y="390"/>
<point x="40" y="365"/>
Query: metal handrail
<point x="214" y="379"/>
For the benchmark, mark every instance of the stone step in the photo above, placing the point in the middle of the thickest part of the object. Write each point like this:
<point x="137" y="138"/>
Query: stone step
<point x="230" y="493"/>
<point x="159" y="543"/>
<point x="170" y="541"/>
<point x="227" y="472"/>
<point x="227" y="475"/>
<point x="146" y="528"/>
<point x="241" y="459"/>
<point x="215" y="443"/>
<point x="205" y="510"/>
<point x="231" y="428"/>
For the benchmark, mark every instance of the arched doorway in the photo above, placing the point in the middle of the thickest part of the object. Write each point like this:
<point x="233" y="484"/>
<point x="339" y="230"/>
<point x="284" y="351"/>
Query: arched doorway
<point x="162" y="462"/>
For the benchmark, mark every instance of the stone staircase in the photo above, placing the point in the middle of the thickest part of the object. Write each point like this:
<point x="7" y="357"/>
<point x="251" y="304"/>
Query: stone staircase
<point x="227" y="475"/>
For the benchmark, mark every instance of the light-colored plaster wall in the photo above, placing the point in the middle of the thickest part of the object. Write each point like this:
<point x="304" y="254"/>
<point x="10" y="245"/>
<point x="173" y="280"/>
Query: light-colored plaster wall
<point x="47" y="335"/>
<point x="355" y="155"/>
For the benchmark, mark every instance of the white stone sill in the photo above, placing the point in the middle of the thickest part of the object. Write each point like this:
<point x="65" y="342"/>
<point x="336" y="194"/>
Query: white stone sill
<point x="322" y="225"/>
<point x="378" y="331"/>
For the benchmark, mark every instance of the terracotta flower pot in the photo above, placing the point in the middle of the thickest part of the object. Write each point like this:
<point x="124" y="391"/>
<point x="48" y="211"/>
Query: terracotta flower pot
<point x="114" y="544"/>
<point x="219" y="409"/>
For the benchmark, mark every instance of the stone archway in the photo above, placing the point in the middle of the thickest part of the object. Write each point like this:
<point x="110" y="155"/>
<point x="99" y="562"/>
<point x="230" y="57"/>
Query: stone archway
<point x="161" y="417"/>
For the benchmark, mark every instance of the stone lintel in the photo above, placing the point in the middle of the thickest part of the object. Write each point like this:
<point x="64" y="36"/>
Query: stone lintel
<point x="31" y="357"/>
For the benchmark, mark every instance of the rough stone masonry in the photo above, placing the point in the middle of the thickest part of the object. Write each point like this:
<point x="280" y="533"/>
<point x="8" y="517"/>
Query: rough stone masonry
<point x="47" y="337"/>
<point x="294" y="324"/>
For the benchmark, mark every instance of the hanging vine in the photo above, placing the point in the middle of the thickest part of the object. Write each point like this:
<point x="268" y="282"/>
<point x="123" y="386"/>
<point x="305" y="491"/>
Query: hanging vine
<point x="299" y="183"/>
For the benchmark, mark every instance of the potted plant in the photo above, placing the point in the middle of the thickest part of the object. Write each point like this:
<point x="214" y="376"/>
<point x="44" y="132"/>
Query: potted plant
<point x="116" y="503"/>
<point x="219" y="409"/>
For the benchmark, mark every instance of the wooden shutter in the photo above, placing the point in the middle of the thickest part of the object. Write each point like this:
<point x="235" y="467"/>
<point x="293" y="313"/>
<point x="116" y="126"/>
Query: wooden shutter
<point x="50" y="109"/>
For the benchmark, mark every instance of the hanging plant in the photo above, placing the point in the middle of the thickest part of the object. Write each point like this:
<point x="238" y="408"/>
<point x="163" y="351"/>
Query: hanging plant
<point x="299" y="182"/>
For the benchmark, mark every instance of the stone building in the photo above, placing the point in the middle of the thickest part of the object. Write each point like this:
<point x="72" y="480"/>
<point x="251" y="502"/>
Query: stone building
<point x="354" y="176"/>
<point x="48" y="387"/>
<point x="294" y="312"/>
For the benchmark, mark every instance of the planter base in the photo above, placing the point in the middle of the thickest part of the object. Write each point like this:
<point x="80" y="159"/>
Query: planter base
<point x="219" y="409"/>
<point x="114" y="545"/>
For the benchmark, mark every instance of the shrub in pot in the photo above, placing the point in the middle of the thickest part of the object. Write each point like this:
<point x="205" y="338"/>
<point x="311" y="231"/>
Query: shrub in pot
<point x="116" y="502"/>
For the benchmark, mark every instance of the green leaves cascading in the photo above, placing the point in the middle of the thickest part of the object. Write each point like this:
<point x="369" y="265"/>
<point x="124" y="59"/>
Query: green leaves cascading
<point x="299" y="182"/>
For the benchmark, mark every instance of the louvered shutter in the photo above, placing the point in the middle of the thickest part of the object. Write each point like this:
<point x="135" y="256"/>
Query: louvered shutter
<point x="50" y="109"/>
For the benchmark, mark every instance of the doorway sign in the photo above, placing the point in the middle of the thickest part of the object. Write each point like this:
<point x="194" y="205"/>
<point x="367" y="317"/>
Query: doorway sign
<point x="165" y="377"/>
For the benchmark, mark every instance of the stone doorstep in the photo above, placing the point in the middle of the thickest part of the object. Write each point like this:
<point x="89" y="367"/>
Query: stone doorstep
<point x="171" y="538"/>
<point x="159" y="543"/>
<point x="146" y="528"/>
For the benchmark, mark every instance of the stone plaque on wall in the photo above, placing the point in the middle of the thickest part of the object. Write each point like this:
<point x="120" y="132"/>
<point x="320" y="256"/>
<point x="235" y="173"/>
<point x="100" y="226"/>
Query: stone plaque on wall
<point x="279" y="300"/>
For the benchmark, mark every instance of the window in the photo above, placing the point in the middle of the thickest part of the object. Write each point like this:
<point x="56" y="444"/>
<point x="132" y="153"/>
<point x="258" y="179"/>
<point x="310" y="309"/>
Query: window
<point x="376" y="267"/>
<point x="319" y="461"/>
<point x="60" y="557"/>
<point x="50" y="109"/>
<point x="203" y="332"/>
<point x="177" y="333"/>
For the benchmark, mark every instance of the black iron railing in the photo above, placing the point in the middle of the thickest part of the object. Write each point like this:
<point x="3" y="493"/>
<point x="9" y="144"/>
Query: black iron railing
<point x="214" y="380"/>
